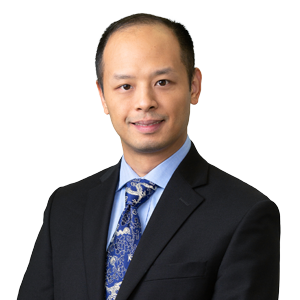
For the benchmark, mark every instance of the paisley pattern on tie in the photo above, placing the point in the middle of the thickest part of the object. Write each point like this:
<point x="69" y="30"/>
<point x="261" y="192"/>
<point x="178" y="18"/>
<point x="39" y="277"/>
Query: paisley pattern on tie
<point x="127" y="235"/>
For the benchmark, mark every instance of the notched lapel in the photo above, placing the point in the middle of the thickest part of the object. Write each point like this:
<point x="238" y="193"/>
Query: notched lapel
<point x="95" y="228"/>
<point x="176" y="204"/>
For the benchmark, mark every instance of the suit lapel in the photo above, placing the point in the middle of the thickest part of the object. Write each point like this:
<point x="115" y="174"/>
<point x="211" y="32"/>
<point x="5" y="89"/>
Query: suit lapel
<point x="95" y="229"/>
<point x="176" y="204"/>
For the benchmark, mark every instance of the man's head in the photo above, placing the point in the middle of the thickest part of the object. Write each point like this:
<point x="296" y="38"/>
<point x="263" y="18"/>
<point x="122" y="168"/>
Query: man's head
<point x="182" y="35"/>
<point x="147" y="88"/>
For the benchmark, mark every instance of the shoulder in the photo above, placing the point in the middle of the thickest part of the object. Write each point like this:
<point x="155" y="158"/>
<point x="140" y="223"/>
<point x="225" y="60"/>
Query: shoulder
<point x="76" y="193"/>
<point x="229" y="193"/>
<point x="220" y="189"/>
<point x="230" y="185"/>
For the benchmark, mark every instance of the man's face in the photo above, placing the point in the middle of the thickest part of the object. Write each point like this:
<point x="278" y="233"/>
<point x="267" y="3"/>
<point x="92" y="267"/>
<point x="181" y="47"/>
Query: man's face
<point x="146" y="89"/>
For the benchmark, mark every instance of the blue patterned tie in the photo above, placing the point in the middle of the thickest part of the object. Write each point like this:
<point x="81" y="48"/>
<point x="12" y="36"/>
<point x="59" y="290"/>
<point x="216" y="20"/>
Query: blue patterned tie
<point x="126" y="236"/>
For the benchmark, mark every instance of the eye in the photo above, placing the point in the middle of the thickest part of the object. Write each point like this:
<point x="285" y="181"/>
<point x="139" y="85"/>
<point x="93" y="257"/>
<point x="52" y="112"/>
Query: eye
<point x="162" y="82"/>
<point x="126" y="87"/>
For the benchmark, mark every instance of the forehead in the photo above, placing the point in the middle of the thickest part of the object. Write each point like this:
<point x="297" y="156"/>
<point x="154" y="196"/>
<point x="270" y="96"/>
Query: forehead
<point x="141" y="45"/>
<point x="140" y="30"/>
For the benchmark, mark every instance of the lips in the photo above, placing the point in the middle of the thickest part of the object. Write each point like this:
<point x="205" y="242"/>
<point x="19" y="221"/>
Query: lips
<point x="148" y="126"/>
<point x="147" y="123"/>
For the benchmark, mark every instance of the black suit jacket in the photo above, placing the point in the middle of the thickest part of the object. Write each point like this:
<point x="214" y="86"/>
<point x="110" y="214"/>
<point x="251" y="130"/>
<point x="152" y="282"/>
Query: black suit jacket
<point x="211" y="237"/>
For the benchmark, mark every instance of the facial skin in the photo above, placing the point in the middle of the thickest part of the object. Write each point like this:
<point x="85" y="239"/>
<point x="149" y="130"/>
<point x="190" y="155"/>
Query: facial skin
<point x="147" y="93"/>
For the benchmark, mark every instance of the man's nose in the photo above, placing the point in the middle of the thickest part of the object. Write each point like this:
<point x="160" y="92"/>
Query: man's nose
<point x="145" y="99"/>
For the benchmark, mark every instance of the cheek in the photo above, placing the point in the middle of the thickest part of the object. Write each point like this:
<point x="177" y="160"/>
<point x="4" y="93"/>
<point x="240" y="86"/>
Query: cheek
<point x="115" y="108"/>
<point x="118" y="116"/>
<point x="178" y="108"/>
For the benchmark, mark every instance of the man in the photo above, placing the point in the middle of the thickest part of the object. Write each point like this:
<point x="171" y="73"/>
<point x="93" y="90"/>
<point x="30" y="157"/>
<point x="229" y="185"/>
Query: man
<point x="162" y="223"/>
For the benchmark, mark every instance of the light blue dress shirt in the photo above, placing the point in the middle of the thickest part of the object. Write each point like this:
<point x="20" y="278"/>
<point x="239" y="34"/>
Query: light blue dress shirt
<point x="160" y="175"/>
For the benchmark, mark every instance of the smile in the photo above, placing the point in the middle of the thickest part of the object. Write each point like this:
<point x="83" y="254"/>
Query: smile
<point x="147" y="124"/>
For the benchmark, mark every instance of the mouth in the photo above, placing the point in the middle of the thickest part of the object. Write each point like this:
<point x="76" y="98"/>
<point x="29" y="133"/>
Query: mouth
<point x="147" y="123"/>
<point x="148" y="126"/>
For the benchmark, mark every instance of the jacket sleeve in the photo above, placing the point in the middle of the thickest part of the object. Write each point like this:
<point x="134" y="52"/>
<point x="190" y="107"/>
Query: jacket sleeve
<point x="37" y="283"/>
<point x="250" y="266"/>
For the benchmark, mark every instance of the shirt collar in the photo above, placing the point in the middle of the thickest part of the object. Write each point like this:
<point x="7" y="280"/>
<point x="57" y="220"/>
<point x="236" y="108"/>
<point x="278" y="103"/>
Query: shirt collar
<point x="161" y="174"/>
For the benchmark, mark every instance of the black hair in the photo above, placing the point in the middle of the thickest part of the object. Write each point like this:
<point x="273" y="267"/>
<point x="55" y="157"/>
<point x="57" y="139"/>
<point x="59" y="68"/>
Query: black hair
<point x="182" y="35"/>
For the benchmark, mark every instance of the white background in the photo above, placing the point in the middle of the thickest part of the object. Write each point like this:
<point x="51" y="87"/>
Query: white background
<point x="54" y="132"/>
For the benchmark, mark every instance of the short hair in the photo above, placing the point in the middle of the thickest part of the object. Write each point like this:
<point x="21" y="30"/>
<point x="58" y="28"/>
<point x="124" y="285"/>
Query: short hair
<point x="181" y="33"/>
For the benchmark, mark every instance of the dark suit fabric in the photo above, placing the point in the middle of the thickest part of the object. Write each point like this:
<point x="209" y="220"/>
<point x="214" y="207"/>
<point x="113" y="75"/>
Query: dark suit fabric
<point x="211" y="237"/>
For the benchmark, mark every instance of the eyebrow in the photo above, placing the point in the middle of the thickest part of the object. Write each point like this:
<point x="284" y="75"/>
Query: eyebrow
<point x="155" y="73"/>
<point x="122" y="76"/>
<point x="163" y="71"/>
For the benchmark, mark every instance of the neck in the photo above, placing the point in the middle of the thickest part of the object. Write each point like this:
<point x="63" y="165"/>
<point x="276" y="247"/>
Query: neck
<point x="142" y="163"/>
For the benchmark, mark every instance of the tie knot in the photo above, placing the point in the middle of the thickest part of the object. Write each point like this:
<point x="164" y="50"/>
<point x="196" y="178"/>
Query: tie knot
<point x="139" y="191"/>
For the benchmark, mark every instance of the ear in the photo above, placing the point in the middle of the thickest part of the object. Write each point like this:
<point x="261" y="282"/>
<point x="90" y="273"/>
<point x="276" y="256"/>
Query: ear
<point x="105" y="108"/>
<point x="196" y="86"/>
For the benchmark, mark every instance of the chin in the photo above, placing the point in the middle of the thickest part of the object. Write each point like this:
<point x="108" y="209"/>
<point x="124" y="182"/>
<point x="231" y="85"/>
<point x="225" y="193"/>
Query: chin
<point x="149" y="146"/>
